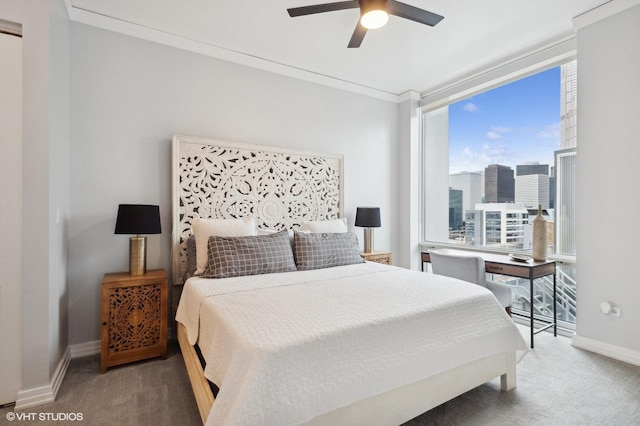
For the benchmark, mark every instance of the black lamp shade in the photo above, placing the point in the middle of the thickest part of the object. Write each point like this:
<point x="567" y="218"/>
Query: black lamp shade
<point x="368" y="217"/>
<point x="138" y="219"/>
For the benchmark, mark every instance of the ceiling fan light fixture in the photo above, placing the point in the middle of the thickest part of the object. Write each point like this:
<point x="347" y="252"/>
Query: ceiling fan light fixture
<point x="374" y="19"/>
<point x="373" y="14"/>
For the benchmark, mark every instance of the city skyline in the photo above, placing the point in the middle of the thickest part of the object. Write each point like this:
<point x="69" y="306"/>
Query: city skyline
<point x="514" y="124"/>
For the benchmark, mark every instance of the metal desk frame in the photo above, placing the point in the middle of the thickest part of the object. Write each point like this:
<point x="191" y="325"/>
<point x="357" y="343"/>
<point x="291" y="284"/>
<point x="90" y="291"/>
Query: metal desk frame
<point x="502" y="264"/>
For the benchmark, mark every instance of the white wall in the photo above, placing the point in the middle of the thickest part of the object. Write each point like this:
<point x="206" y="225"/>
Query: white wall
<point x="406" y="166"/>
<point x="608" y="177"/>
<point x="59" y="174"/>
<point x="44" y="167"/>
<point x="129" y="96"/>
<point x="11" y="217"/>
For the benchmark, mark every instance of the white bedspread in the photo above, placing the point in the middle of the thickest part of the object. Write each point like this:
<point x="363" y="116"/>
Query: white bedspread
<point x="285" y="348"/>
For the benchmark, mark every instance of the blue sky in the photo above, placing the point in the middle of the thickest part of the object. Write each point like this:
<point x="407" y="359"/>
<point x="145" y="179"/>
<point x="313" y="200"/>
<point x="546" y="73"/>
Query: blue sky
<point x="509" y="125"/>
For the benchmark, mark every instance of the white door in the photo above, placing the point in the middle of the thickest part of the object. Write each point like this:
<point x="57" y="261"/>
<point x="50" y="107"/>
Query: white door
<point x="10" y="216"/>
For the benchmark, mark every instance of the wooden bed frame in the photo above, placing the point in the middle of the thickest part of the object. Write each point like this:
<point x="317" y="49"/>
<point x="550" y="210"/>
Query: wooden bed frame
<point x="395" y="406"/>
<point x="199" y="383"/>
<point x="194" y="194"/>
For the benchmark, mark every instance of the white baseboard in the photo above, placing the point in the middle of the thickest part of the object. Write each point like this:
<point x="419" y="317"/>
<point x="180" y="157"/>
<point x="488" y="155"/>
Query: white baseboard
<point x="28" y="398"/>
<point x="607" y="349"/>
<point x="85" y="349"/>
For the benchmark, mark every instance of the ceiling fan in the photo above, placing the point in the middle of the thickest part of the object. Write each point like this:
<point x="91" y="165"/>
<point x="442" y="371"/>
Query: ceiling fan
<point x="373" y="14"/>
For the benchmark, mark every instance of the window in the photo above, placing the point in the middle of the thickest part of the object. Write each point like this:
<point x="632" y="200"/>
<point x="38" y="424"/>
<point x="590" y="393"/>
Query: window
<point x="492" y="158"/>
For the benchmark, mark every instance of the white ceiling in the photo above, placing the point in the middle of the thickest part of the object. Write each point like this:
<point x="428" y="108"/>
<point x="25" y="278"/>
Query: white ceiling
<point x="399" y="57"/>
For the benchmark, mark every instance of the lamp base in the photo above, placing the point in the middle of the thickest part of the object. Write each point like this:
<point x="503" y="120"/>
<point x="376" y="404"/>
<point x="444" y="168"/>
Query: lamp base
<point x="368" y="240"/>
<point x="137" y="255"/>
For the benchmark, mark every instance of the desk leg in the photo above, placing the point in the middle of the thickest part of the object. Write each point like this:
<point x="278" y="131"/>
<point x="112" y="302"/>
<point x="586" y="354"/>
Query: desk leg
<point x="532" y="299"/>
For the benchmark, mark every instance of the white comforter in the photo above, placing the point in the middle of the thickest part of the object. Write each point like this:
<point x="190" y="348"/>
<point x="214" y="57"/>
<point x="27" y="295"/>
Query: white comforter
<point x="285" y="348"/>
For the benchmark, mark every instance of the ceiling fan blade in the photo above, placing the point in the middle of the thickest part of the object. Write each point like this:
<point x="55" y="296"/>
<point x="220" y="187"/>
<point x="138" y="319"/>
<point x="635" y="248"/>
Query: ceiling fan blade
<point x="413" y="13"/>
<point x="321" y="8"/>
<point x="358" y="36"/>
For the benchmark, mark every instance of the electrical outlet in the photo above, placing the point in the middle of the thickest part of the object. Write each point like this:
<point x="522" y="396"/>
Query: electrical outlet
<point x="615" y="311"/>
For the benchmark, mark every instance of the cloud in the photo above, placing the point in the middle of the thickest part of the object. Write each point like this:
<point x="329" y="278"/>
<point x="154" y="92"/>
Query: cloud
<point x="470" y="107"/>
<point x="497" y="133"/>
<point x="550" y="131"/>
<point x="493" y="136"/>
<point x="496" y="153"/>
<point x="478" y="159"/>
<point x="499" y="129"/>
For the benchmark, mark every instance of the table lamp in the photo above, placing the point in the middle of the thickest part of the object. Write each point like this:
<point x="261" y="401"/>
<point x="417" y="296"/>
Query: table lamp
<point x="368" y="218"/>
<point x="138" y="219"/>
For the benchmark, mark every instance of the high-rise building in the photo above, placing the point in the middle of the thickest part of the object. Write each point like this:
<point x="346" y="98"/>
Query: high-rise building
<point x="474" y="227"/>
<point x="470" y="183"/>
<point x="532" y="190"/>
<point x="455" y="209"/>
<point x="499" y="184"/>
<point x="532" y="168"/>
<point x="497" y="224"/>
<point x="568" y="104"/>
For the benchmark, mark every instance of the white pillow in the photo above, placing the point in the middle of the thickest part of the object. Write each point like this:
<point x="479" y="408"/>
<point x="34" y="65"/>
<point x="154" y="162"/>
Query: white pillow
<point x="324" y="226"/>
<point x="269" y="231"/>
<point x="205" y="228"/>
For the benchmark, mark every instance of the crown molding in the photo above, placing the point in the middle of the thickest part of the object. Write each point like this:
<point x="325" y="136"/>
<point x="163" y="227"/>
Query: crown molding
<point x="165" y="38"/>
<point x="605" y="10"/>
<point x="409" y="95"/>
<point x="546" y="55"/>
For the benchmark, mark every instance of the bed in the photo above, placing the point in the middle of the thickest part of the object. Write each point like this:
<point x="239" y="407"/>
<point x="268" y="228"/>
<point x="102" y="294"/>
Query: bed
<point x="353" y="343"/>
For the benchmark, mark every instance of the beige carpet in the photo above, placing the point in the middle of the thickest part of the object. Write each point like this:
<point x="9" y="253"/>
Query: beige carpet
<point x="557" y="385"/>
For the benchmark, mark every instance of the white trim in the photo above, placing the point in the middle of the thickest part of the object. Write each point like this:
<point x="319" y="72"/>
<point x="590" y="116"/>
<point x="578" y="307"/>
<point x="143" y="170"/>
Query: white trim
<point x="85" y="349"/>
<point x="44" y="394"/>
<point x="612" y="7"/>
<point x="11" y="28"/>
<point x="195" y="46"/>
<point x="607" y="349"/>
<point x="409" y="95"/>
<point x="554" y="53"/>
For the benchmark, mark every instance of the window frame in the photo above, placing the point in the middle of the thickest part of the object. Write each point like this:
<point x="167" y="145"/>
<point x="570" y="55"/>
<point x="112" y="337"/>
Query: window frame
<point x="442" y="98"/>
<point x="436" y="102"/>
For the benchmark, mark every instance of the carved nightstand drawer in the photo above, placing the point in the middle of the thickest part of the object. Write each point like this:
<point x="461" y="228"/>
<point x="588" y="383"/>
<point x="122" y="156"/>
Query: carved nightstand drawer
<point x="134" y="317"/>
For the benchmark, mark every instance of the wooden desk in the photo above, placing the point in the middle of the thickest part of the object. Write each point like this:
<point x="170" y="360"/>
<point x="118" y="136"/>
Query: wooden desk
<point x="503" y="265"/>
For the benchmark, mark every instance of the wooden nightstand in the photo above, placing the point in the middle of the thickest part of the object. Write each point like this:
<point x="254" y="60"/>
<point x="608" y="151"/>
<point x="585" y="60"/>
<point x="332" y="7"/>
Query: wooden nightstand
<point x="134" y="317"/>
<point x="377" y="256"/>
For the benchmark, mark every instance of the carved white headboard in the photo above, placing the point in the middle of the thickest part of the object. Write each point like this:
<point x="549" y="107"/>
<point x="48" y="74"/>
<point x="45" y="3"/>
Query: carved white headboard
<point x="222" y="180"/>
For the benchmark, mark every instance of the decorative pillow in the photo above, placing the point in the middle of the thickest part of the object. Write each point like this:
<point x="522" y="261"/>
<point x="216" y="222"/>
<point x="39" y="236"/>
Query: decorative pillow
<point x="191" y="257"/>
<point x="324" y="250"/>
<point x="260" y="254"/>
<point x="318" y="226"/>
<point x="268" y="231"/>
<point x="205" y="228"/>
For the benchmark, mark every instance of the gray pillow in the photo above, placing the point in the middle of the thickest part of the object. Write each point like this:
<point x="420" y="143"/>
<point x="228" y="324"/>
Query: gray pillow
<point x="250" y="255"/>
<point x="191" y="257"/>
<point x="324" y="250"/>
